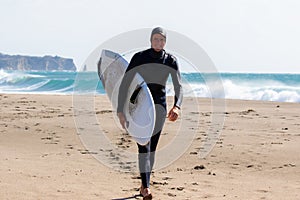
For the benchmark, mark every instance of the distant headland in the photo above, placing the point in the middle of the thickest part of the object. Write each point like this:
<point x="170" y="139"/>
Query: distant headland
<point x="27" y="63"/>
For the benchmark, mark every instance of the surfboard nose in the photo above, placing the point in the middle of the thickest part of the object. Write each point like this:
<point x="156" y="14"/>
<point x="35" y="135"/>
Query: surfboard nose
<point x="109" y="54"/>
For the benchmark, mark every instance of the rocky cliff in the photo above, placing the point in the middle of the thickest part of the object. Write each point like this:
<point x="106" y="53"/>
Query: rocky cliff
<point x="46" y="63"/>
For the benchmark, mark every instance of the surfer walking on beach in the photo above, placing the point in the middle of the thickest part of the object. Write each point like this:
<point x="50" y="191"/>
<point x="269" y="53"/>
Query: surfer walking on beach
<point x="155" y="65"/>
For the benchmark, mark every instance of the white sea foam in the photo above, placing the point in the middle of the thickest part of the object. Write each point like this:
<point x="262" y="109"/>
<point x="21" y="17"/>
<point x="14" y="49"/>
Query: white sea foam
<point x="246" y="91"/>
<point x="266" y="87"/>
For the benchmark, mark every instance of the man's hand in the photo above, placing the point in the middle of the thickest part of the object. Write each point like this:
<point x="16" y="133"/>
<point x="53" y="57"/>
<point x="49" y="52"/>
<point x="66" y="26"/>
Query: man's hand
<point x="122" y="119"/>
<point x="173" y="114"/>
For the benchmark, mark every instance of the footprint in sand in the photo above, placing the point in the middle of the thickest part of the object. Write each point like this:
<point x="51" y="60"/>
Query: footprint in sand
<point x="86" y="152"/>
<point x="180" y="188"/>
<point x="159" y="183"/>
<point x="171" y="195"/>
<point x="199" y="167"/>
<point x="69" y="146"/>
<point x="103" y="111"/>
<point x="262" y="191"/>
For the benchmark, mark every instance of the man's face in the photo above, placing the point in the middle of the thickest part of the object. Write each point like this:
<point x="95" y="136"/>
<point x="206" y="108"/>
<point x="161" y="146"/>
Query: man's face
<point x="158" y="42"/>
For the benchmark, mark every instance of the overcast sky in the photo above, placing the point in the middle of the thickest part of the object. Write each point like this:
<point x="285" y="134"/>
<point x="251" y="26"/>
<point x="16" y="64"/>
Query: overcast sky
<point x="238" y="35"/>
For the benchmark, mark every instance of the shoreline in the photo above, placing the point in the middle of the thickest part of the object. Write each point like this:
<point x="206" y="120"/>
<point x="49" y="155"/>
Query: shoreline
<point x="168" y="96"/>
<point x="255" y="157"/>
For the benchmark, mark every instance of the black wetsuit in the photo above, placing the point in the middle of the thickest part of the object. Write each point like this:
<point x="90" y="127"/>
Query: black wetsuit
<point x="155" y="68"/>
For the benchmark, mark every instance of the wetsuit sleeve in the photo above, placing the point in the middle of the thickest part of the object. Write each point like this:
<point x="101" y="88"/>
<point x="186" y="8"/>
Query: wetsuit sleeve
<point x="125" y="83"/>
<point x="176" y="79"/>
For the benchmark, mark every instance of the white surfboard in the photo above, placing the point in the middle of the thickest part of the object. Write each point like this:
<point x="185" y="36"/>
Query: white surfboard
<point x="140" y="113"/>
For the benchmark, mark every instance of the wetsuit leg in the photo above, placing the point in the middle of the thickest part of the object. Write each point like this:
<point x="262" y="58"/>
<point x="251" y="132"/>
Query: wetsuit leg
<point x="147" y="152"/>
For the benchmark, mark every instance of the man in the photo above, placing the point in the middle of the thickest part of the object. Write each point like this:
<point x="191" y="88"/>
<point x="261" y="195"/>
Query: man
<point x="155" y="65"/>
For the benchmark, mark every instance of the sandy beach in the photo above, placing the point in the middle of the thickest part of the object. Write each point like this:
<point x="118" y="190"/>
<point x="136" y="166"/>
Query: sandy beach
<point x="257" y="155"/>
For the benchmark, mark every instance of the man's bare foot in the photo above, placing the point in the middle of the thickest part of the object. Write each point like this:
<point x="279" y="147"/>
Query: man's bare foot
<point x="146" y="193"/>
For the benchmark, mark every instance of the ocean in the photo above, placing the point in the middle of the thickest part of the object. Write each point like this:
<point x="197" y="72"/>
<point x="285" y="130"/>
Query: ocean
<point x="247" y="86"/>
